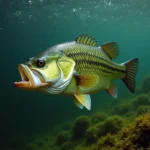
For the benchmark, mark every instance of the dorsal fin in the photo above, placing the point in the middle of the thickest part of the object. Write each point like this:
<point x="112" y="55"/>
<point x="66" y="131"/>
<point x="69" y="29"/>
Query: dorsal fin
<point x="111" y="49"/>
<point x="86" y="39"/>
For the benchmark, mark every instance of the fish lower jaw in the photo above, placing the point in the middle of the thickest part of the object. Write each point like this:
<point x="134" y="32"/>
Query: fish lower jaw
<point x="28" y="85"/>
<point x="23" y="84"/>
<point x="29" y="79"/>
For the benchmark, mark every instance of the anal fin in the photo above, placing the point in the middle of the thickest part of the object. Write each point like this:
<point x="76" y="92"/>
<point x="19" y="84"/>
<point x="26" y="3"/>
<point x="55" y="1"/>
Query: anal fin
<point x="112" y="90"/>
<point x="83" y="99"/>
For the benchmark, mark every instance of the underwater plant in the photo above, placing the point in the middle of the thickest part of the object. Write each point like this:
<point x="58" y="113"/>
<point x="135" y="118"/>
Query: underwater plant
<point x="130" y="116"/>
<point x="106" y="141"/>
<point x="142" y="109"/>
<point x="98" y="117"/>
<point x="91" y="135"/>
<point x="80" y="126"/>
<point x="137" y="135"/>
<point x="133" y="137"/>
<point x="62" y="137"/>
<point x="146" y="85"/>
<point x="121" y="109"/>
<point x="112" y="125"/>
<point x="67" y="146"/>
<point x="142" y="99"/>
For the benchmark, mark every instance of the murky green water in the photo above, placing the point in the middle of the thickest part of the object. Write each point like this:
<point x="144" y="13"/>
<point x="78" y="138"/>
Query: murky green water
<point x="27" y="27"/>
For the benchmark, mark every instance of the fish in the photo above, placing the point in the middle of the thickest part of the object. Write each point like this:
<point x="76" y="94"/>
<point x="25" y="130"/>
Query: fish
<point x="78" y="68"/>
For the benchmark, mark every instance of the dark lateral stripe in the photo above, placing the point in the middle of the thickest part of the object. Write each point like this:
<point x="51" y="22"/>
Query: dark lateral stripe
<point x="90" y="55"/>
<point x="106" y="71"/>
<point x="96" y="62"/>
<point x="101" y="64"/>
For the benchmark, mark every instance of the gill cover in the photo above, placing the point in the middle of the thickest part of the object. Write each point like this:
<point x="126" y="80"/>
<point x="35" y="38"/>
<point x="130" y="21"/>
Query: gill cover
<point x="50" y="73"/>
<point x="66" y="68"/>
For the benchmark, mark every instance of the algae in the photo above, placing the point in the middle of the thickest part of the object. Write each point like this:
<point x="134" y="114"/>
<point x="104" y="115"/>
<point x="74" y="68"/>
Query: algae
<point x="123" y="126"/>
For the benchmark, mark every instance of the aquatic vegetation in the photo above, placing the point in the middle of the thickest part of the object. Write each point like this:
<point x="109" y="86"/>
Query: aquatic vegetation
<point x="146" y="85"/>
<point x="80" y="126"/>
<point x="130" y="116"/>
<point x="91" y="135"/>
<point x="113" y="130"/>
<point x="98" y="117"/>
<point x="142" y="109"/>
<point x="122" y="109"/>
<point x="62" y="137"/>
<point x="106" y="141"/>
<point x="137" y="135"/>
<point x="112" y="125"/>
<point x="142" y="99"/>
<point x="105" y="131"/>
<point x="67" y="146"/>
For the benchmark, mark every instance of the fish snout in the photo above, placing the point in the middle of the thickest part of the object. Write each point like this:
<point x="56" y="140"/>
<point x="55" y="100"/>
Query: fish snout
<point x="29" y="78"/>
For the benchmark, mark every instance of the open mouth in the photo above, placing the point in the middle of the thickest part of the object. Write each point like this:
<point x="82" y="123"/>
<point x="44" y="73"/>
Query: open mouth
<point x="29" y="79"/>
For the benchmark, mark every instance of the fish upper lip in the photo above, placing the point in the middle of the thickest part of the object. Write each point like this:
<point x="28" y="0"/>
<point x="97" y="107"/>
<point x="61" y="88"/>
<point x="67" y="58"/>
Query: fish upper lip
<point x="26" y="77"/>
<point x="23" y="74"/>
<point x="29" y="79"/>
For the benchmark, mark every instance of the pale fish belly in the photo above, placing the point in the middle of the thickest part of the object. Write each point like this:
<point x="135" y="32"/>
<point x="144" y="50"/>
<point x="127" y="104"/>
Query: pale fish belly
<point x="102" y="84"/>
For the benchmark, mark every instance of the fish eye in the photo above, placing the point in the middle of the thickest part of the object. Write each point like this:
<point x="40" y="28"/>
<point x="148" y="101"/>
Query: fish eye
<point x="40" y="63"/>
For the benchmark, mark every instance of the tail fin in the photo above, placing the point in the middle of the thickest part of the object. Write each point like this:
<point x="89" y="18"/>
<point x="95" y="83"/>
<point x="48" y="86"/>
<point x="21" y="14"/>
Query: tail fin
<point x="131" y="69"/>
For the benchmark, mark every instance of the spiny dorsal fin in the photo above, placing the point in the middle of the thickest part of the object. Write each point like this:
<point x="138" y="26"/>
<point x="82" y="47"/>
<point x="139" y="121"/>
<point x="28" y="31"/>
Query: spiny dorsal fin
<point x="86" y="39"/>
<point x="84" y="99"/>
<point x="111" y="49"/>
<point x="112" y="90"/>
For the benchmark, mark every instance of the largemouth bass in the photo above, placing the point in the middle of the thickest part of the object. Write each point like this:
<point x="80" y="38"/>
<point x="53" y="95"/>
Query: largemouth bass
<point x="77" y="68"/>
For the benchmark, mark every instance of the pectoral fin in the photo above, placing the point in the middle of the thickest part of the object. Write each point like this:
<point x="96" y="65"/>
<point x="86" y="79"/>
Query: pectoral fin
<point x="83" y="100"/>
<point x="86" y="81"/>
<point x="112" y="90"/>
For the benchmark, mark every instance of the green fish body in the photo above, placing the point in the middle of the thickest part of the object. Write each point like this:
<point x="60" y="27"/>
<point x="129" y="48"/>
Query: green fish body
<point x="78" y="68"/>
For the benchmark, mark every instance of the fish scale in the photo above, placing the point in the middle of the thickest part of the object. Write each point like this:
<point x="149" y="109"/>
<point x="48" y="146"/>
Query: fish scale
<point x="84" y="56"/>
